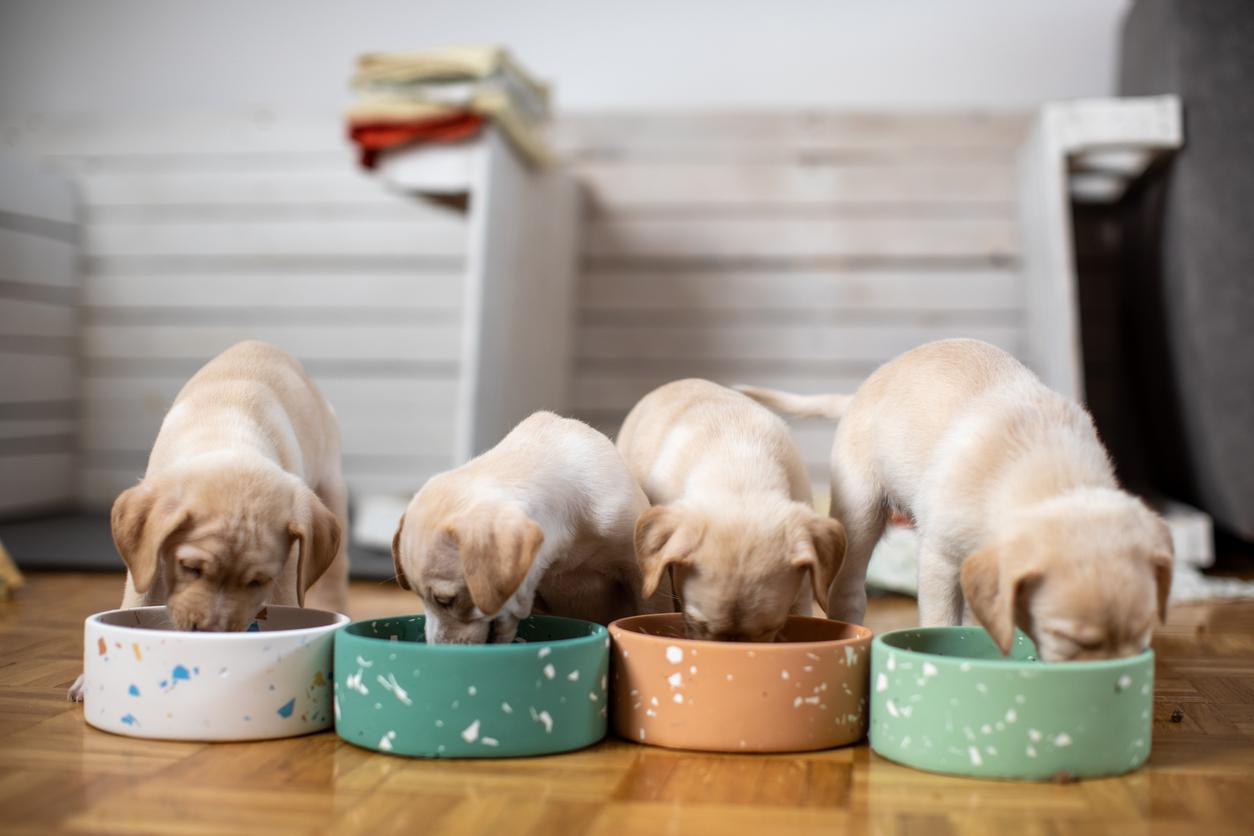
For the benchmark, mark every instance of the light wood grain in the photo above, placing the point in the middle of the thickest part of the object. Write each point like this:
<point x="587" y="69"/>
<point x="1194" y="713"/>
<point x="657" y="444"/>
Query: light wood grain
<point x="57" y="774"/>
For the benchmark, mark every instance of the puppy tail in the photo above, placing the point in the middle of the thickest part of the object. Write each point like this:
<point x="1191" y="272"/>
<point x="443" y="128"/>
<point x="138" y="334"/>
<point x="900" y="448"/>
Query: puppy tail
<point x="801" y="406"/>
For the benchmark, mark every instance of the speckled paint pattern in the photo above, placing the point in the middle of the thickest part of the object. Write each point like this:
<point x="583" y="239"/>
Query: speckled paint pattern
<point x="546" y="693"/>
<point x="945" y="700"/>
<point x="805" y="692"/>
<point x="144" y="679"/>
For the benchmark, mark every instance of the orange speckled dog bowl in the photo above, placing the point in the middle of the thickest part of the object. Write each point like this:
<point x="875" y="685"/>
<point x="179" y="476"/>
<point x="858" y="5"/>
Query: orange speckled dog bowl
<point x="805" y="691"/>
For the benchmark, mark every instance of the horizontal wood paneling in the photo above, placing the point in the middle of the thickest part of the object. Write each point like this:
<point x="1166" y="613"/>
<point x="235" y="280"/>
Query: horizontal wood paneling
<point x="782" y="238"/>
<point x="332" y="185"/>
<point x="201" y="231"/>
<point x="755" y="135"/>
<point x="22" y="318"/>
<point x="39" y="323"/>
<point x="798" y="250"/>
<point x="198" y="341"/>
<point x="35" y="259"/>
<point x="864" y="343"/>
<point x="276" y="239"/>
<point x="380" y="416"/>
<point x="606" y="291"/>
<point x="26" y="378"/>
<point x="376" y="291"/>
<point x="36" y="482"/>
<point x="728" y="187"/>
<point x="32" y="192"/>
<point x="794" y="249"/>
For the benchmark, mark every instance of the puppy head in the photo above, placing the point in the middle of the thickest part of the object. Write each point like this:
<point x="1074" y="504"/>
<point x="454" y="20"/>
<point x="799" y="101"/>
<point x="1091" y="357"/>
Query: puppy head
<point x="218" y="539"/>
<point x="1084" y="577"/>
<point x="467" y="564"/>
<point x="739" y="574"/>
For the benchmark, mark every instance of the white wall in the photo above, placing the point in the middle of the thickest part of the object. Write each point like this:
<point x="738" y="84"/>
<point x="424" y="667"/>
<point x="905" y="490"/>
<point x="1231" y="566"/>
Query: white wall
<point x="137" y="56"/>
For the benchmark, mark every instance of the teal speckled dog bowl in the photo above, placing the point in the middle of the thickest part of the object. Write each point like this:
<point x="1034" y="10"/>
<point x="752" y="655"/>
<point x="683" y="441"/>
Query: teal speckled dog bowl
<point x="544" y="694"/>
<point x="944" y="699"/>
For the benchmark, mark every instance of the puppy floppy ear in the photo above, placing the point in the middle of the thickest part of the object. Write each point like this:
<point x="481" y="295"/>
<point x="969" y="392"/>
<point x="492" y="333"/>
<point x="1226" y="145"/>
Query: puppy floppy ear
<point x="318" y="534"/>
<point x="396" y="555"/>
<point x="665" y="535"/>
<point x="996" y="595"/>
<point x="142" y="519"/>
<point x="1162" y="560"/>
<point x="497" y="549"/>
<point x="818" y="544"/>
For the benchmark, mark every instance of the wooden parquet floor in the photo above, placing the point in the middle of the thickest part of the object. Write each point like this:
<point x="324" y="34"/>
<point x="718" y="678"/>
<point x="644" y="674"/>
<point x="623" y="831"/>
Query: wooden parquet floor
<point x="57" y="774"/>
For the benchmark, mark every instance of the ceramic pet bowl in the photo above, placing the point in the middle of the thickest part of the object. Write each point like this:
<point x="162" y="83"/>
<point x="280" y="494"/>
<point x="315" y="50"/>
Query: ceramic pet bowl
<point x="944" y="699"/>
<point x="543" y="694"/>
<point x="807" y="690"/>
<point x="143" y="678"/>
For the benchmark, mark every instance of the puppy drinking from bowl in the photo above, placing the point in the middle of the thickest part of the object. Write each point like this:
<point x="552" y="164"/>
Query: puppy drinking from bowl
<point x="1016" y="503"/>
<point x="544" y="519"/>
<point x="244" y="472"/>
<point x="732" y="515"/>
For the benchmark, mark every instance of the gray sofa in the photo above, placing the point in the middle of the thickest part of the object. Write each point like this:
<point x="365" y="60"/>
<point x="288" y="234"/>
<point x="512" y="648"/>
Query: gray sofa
<point x="1189" y="259"/>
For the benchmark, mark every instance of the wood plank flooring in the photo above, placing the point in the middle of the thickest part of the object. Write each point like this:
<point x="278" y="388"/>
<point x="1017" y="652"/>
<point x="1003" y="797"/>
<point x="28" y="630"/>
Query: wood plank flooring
<point x="57" y="774"/>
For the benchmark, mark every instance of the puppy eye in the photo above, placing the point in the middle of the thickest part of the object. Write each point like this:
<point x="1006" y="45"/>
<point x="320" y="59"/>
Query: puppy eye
<point x="191" y="571"/>
<point x="256" y="583"/>
<point x="445" y="601"/>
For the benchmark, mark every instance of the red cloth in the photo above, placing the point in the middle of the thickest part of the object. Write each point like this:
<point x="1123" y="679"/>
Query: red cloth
<point x="374" y="137"/>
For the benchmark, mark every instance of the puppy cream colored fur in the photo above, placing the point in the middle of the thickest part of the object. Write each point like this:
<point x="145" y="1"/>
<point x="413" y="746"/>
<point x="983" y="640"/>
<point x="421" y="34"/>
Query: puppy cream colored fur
<point x="243" y="503"/>
<point x="1015" y="500"/>
<point x="733" y="513"/>
<point x="543" y="520"/>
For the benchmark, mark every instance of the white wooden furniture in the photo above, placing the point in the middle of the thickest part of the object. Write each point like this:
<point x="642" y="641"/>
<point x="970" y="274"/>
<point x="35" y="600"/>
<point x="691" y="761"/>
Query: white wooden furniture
<point x="39" y="291"/>
<point x="794" y="249"/>
<point x="202" y="230"/>
<point x="518" y="291"/>
<point x="1087" y="150"/>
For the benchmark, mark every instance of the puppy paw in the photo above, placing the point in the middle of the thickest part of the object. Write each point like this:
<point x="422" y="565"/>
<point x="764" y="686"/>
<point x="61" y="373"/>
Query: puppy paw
<point x="75" y="694"/>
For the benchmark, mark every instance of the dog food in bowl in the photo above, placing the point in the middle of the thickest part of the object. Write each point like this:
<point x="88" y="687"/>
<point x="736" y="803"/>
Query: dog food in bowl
<point x="143" y="678"/>
<point x="545" y="693"/>
<point x="805" y="691"/>
<point x="944" y="699"/>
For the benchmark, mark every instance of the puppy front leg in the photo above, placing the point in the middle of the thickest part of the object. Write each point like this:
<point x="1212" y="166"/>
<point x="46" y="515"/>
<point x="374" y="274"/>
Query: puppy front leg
<point x="504" y="629"/>
<point x="940" y="588"/>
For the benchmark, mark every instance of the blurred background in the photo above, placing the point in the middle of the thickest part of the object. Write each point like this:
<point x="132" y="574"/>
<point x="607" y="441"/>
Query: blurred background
<point x="786" y="194"/>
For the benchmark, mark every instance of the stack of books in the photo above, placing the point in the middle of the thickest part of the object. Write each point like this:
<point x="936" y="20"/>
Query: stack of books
<point x="444" y="95"/>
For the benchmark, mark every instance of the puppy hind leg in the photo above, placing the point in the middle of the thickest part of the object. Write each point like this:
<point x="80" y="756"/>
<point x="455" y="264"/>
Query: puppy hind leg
<point x="940" y="590"/>
<point x="861" y="509"/>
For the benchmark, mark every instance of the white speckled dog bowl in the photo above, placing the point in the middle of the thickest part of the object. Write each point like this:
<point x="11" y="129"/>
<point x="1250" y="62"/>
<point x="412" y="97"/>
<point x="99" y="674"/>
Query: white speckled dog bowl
<point x="944" y="699"/>
<point x="545" y="693"/>
<point x="142" y="678"/>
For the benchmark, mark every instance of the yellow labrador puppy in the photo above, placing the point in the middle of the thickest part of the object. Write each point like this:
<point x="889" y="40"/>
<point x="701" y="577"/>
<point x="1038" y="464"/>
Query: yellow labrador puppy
<point x="243" y="503"/>
<point x="1015" y="499"/>
<point x="543" y="520"/>
<point x="732" y="515"/>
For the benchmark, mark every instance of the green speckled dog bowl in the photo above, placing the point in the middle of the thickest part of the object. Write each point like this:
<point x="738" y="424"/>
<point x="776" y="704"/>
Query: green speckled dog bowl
<point x="944" y="699"/>
<point x="543" y="694"/>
